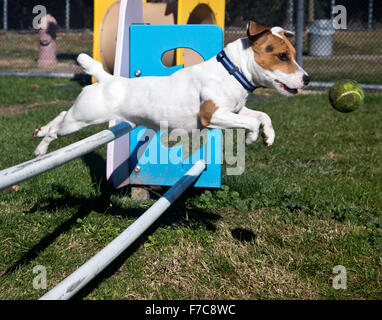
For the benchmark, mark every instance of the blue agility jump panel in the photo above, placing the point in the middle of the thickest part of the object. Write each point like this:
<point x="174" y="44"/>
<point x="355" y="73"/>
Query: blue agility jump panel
<point x="147" y="45"/>
<point x="149" y="42"/>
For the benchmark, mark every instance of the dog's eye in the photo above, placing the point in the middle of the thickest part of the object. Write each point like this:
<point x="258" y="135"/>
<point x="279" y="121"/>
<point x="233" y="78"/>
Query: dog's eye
<point x="283" y="56"/>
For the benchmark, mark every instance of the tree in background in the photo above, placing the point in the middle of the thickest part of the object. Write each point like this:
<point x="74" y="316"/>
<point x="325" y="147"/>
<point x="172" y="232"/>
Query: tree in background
<point x="275" y="12"/>
<point x="267" y="12"/>
<point x="81" y="14"/>
<point x="238" y="12"/>
<point x="20" y="14"/>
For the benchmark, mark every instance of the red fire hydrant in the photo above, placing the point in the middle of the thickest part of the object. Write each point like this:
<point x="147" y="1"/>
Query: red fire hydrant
<point x="47" y="32"/>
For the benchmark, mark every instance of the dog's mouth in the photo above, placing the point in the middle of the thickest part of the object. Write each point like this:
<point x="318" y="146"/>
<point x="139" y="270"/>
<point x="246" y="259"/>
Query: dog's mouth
<point x="285" y="89"/>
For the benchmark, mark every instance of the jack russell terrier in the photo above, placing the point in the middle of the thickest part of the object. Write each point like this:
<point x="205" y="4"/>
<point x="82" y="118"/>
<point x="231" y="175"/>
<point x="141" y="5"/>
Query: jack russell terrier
<point x="211" y="94"/>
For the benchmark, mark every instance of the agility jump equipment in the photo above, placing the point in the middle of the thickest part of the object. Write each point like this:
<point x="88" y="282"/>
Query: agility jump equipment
<point x="78" y="279"/>
<point x="202" y="168"/>
<point x="181" y="12"/>
<point x="139" y="51"/>
<point x="34" y="167"/>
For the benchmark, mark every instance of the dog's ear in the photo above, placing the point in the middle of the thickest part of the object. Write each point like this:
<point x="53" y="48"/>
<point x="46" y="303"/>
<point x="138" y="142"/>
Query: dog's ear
<point x="255" y="30"/>
<point x="288" y="34"/>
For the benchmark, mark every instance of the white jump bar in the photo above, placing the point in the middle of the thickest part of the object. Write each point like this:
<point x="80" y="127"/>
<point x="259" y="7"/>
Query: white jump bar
<point x="79" y="278"/>
<point x="34" y="167"/>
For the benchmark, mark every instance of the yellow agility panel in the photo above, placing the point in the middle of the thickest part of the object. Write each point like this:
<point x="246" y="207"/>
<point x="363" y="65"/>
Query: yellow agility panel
<point x="106" y="14"/>
<point x="198" y="12"/>
<point x="105" y="31"/>
<point x="216" y="8"/>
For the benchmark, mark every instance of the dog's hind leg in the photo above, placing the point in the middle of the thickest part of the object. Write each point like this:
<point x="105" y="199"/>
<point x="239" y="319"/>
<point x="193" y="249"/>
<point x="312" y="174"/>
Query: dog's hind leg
<point x="67" y="125"/>
<point x="43" y="131"/>
<point x="62" y="125"/>
<point x="42" y="148"/>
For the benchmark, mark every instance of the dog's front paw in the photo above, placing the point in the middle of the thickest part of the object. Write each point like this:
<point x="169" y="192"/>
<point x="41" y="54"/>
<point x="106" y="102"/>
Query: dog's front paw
<point x="251" y="137"/>
<point x="268" y="135"/>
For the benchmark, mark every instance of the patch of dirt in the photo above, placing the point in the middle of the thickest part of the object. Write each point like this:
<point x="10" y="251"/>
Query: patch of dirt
<point x="20" y="108"/>
<point x="14" y="188"/>
<point x="30" y="66"/>
<point x="17" y="61"/>
<point x="14" y="109"/>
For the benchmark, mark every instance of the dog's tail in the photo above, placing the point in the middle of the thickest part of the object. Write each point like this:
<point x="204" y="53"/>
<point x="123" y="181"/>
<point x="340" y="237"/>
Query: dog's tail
<point x="93" y="67"/>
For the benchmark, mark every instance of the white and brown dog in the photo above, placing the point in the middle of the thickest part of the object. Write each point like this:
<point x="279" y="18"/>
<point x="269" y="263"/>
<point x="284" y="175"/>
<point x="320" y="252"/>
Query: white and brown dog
<point x="211" y="94"/>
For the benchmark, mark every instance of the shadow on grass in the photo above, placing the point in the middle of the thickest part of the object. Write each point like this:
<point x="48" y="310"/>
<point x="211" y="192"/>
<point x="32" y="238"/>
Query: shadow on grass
<point x="177" y="214"/>
<point x="82" y="79"/>
<point x="168" y="218"/>
<point x="85" y="206"/>
<point x="243" y="235"/>
<point x="67" y="56"/>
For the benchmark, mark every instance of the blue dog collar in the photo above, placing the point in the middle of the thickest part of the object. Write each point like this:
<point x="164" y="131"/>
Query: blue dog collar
<point x="234" y="70"/>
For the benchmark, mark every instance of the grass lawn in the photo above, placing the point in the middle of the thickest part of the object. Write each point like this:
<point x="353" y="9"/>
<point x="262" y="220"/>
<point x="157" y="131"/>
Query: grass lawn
<point x="310" y="202"/>
<point x="356" y="54"/>
<point x="69" y="45"/>
<point x="363" y="69"/>
<point x="19" y="52"/>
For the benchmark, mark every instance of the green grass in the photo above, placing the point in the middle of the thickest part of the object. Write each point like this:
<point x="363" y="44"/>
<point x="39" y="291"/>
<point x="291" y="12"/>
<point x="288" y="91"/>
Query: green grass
<point x="308" y="203"/>
<point x="328" y="69"/>
<point x="356" y="54"/>
<point x="20" y="51"/>
<point x="36" y="91"/>
<point x="357" y="42"/>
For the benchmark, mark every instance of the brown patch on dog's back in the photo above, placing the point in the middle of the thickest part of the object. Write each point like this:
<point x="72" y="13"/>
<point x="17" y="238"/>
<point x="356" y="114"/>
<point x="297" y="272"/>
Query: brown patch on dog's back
<point x="268" y="59"/>
<point x="207" y="109"/>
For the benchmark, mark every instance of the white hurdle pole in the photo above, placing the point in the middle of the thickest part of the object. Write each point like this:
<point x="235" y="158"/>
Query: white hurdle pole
<point x="34" y="167"/>
<point x="79" y="278"/>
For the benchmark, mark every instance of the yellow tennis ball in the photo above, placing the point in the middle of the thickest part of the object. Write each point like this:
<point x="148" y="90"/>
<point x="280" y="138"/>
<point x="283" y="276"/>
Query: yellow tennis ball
<point x="346" y="95"/>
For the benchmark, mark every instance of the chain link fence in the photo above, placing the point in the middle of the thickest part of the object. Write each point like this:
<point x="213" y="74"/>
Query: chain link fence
<point x="20" y="42"/>
<point x="328" y="54"/>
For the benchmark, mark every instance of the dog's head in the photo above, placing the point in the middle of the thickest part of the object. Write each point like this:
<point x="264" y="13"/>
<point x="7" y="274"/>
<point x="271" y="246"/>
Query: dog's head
<point x="275" y="56"/>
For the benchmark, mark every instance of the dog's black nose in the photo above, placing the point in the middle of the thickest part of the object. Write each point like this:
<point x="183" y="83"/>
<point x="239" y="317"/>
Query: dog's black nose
<point x="306" y="79"/>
